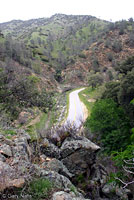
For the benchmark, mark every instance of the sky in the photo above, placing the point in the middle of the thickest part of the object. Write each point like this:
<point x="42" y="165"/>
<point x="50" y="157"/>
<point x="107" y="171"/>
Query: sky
<point x="111" y="10"/>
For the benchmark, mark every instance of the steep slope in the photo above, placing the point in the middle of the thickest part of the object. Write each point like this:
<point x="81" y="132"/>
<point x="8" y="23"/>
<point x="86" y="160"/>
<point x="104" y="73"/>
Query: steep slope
<point x="58" y="39"/>
<point x="103" y="56"/>
<point x="24" y="82"/>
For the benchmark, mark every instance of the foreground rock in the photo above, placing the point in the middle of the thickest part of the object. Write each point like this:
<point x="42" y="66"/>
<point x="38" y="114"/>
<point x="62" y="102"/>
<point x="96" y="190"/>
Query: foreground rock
<point x="57" y="166"/>
<point x="66" y="196"/>
<point x="78" y="154"/>
<point x="8" y="177"/>
<point x="49" y="149"/>
<point x="70" y="167"/>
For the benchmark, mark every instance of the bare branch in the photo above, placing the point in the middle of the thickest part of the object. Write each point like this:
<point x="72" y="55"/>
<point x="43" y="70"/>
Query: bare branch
<point x="125" y="184"/>
<point x="129" y="162"/>
<point x="128" y="171"/>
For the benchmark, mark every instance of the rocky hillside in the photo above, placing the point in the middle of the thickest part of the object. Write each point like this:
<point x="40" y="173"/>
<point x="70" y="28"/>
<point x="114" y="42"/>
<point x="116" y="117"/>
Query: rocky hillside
<point x="103" y="56"/>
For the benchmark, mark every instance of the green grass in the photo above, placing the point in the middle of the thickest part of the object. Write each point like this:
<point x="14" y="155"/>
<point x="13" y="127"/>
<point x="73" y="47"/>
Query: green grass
<point x="34" y="129"/>
<point x="40" y="188"/>
<point x="53" y="118"/>
<point x="9" y="133"/>
<point x="90" y="93"/>
<point x="84" y="99"/>
<point x="39" y="125"/>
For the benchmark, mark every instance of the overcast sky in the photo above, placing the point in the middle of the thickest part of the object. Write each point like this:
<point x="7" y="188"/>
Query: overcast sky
<point x="28" y="9"/>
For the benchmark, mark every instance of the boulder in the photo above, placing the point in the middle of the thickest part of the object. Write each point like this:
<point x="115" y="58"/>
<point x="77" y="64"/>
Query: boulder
<point x="78" y="154"/>
<point x="2" y="158"/>
<point x="57" y="166"/>
<point x="58" y="180"/>
<point x="5" y="150"/>
<point x="66" y="196"/>
<point x="6" y="174"/>
<point x="17" y="183"/>
<point x="49" y="149"/>
<point x="71" y="145"/>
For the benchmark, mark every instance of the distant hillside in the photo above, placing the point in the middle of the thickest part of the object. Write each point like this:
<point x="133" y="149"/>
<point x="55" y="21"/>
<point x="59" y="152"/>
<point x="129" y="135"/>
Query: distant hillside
<point x="103" y="56"/>
<point x="56" y="40"/>
<point x="70" y="46"/>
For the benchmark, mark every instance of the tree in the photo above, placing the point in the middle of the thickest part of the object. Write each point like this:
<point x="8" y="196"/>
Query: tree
<point x="109" y="121"/>
<point x="110" y="75"/>
<point x="126" y="66"/>
<point x="126" y="92"/>
<point x="130" y="41"/>
<point x="95" y="65"/>
<point x="110" y="57"/>
<point x="117" y="46"/>
<point x="94" y="80"/>
<point x="111" y="91"/>
<point x="130" y="20"/>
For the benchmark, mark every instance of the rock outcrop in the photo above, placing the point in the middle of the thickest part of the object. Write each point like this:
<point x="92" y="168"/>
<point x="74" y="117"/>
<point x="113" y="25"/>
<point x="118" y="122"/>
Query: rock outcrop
<point x="70" y="167"/>
<point x="78" y="154"/>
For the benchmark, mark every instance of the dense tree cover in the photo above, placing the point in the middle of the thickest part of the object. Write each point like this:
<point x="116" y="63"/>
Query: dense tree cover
<point x="112" y="116"/>
<point x="20" y="85"/>
<point x="112" y="121"/>
<point x="110" y="124"/>
<point x="20" y="90"/>
<point x="95" y="79"/>
<point x="15" y="50"/>
<point x="111" y="91"/>
<point x="126" y="66"/>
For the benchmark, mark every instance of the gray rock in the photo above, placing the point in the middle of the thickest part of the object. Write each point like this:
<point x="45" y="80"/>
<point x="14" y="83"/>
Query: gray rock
<point x="69" y="146"/>
<point x="6" y="169"/>
<point x="6" y="173"/>
<point x="78" y="155"/>
<point x="57" y="166"/>
<point x="66" y="196"/>
<point x="2" y="158"/>
<point x="6" y="150"/>
<point x="2" y="138"/>
<point x="9" y="178"/>
<point x="114" y="192"/>
<point x="23" y="134"/>
<point x="58" y="180"/>
<point x="22" y="151"/>
<point x="20" y="140"/>
<point x="122" y="193"/>
<point x="49" y="149"/>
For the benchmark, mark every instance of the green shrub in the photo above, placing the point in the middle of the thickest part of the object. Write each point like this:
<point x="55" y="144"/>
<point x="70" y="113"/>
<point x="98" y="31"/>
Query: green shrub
<point x="10" y="132"/>
<point x="82" y="55"/>
<point x="33" y="79"/>
<point x="117" y="46"/>
<point x="127" y="154"/>
<point x="40" y="188"/>
<point x="110" y="56"/>
<point x="110" y="124"/>
<point x="37" y="68"/>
